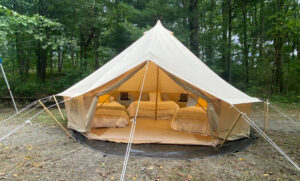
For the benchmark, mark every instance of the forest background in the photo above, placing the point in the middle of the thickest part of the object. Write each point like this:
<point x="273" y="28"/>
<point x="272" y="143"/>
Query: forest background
<point x="48" y="45"/>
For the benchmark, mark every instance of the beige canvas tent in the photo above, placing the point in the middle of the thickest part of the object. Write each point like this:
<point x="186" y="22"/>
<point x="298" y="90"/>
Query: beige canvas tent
<point x="155" y="79"/>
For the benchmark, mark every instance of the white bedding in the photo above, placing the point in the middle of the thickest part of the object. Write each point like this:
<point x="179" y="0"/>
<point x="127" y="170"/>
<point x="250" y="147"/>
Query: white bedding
<point x="110" y="115"/>
<point x="191" y="119"/>
<point x="165" y="109"/>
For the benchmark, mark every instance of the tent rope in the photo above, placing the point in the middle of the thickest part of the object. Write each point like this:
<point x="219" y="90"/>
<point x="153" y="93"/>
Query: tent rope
<point x="27" y="107"/>
<point x="15" y="130"/>
<point x="276" y="108"/>
<point x="132" y="129"/>
<point x="266" y="137"/>
<point x="28" y="121"/>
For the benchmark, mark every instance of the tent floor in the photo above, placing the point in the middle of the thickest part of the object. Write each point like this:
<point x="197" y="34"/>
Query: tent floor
<point x="151" y="131"/>
<point x="164" y="150"/>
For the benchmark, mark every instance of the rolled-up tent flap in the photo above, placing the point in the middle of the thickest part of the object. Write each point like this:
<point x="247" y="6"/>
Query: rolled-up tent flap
<point x="91" y="113"/>
<point x="211" y="114"/>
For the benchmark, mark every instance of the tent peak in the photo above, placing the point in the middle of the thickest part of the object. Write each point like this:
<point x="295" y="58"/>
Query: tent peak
<point x="158" y="23"/>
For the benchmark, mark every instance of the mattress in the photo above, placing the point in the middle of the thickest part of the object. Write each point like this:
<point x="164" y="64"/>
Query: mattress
<point x="165" y="109"/>
<point x="191" y="119"/>
<point x="110" y="115"/>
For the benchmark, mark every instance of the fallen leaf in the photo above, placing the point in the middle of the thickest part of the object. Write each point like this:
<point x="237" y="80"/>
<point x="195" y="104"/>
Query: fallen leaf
<point x="27" y="157"/>
<point x="133" y="178"/>
<point x="161" y="167"/>
<point x="190" y="176"/>
<point x="2" y="145"/>
<point x="150" y="168"/>
<point x="102" y="165"/>
<point x="7" y="147"/>
<point x="241" y="159"/>
<point x="265" y="174"/>
<point x="37" y="165"/>
<point x="29" y="147"/>
<point x="15" y="175"/>
<point x="112" y="178"/>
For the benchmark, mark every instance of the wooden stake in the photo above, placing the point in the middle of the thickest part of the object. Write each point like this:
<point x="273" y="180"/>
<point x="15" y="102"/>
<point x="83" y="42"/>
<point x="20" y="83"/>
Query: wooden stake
<point x="157" y="74"/>
<point x="232" y="127"/>
<point x="62" y="116"/>
<point x="62" y="127"/>
<point x="266" y="116"/>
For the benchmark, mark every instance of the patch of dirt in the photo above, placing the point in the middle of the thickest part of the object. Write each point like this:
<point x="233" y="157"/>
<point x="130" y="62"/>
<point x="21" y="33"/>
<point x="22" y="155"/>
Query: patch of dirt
<point x="42" y="151"/>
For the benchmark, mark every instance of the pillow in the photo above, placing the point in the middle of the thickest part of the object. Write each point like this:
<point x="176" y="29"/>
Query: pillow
<point x="103" y="99"/>
<point x="165" y="97"/>
<point x="111" y="99"/>
<point x="152" y="96"/>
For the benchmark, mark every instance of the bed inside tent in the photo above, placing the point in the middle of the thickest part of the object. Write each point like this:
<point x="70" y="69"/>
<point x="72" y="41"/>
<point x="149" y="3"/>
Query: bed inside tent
<point x="169" y="111"/>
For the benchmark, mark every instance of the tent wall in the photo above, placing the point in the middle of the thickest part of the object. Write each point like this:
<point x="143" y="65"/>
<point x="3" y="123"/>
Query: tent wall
<point x="220" y="114"/>
<point x="76" y="110"/>
<point x="227" y="116"/>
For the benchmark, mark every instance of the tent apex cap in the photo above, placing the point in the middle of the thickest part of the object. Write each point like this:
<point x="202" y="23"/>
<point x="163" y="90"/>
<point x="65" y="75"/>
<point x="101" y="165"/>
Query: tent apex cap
<point x="158" y="22"/>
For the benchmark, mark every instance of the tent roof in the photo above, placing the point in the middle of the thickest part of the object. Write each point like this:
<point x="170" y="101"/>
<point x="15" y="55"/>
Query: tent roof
<point x="162" y="48"/>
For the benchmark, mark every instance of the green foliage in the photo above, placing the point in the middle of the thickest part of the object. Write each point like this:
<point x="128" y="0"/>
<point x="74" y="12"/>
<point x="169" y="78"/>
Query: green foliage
<point x="68" y="39"/>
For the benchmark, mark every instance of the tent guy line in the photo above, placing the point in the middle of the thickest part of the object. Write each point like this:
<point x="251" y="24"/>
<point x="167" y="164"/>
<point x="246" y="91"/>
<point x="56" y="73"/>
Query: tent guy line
<point x="28" y="121"/>
<point x="26" y="108"/>
<point x="276" y="108"/>
<point x="267" y="138"/>
<point x="128" y="149"/>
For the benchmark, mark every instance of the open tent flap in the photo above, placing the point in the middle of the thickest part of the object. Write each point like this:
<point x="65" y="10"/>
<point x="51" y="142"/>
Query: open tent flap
<point x="221" y="115"/>
<point x="81" y="109"/>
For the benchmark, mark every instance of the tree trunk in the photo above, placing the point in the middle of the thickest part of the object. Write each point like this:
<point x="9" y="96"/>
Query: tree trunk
<point x="261" y="31"/>
<point x="224" y="39"/>
<point x="229" y="41"/>
<point x="85" y="47"/>
<point x="20" y="55"/>
<point x="278" y="46"/>
<point x="245" y="42"/>
<point x="210" y="47"/>
<point x="72" y="57"/>
<point x="254" y="39"/>
<point x="194" y="26"/>
<point x="60" y="60"/>
<point x="96" y="53"/>
<point x="81" y="54"/>
<point x="27" y="63"/>
<point x="41" y="63"/>
<point x="51" y="62"/>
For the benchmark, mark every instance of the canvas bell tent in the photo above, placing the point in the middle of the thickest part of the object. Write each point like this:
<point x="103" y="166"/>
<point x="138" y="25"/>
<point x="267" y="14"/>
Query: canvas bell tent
<point x="174" y="96"/>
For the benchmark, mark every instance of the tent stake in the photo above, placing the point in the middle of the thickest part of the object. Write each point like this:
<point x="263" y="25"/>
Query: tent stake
<point x="266" y="116"/>
<point x="232" y="127"/>
<point x="62" y="116"/>
<point x="62" y="127"/>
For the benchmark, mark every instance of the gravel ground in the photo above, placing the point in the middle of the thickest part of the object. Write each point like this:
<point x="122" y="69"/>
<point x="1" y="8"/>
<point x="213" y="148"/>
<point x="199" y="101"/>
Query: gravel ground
<point x="42" y="151"/>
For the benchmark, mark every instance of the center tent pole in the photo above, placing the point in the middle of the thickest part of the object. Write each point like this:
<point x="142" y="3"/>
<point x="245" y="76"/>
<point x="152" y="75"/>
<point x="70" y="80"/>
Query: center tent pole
<point x="157" y="74"/>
